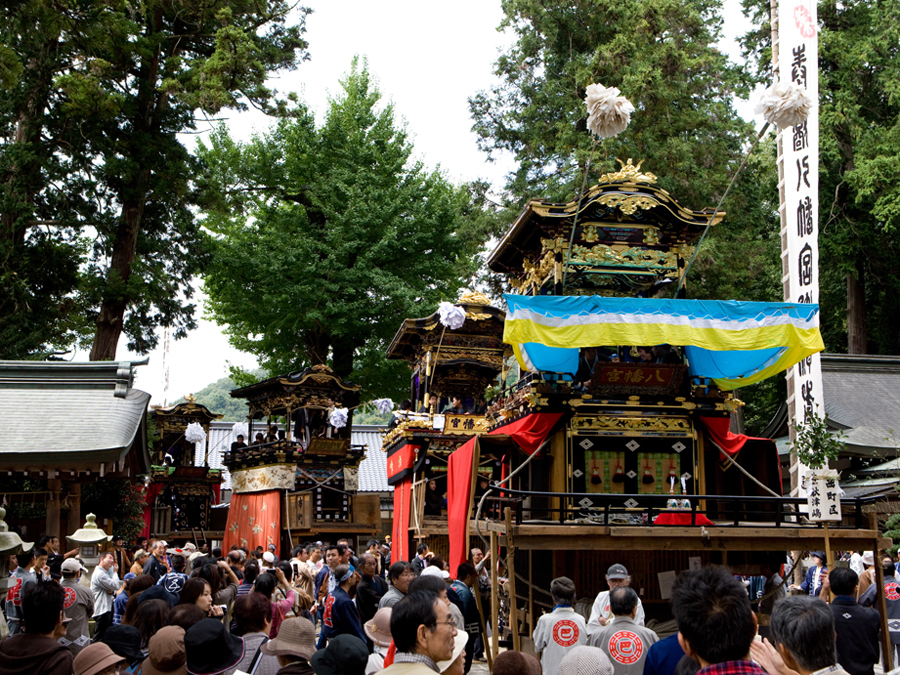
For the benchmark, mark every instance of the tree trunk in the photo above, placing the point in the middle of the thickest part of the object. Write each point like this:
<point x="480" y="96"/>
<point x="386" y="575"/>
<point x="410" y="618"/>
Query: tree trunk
<point x="856" y="310"/>
<point x="342" y="357"/>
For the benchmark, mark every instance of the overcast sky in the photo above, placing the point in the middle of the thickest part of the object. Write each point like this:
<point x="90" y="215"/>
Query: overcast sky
<point x="427" y="58"/>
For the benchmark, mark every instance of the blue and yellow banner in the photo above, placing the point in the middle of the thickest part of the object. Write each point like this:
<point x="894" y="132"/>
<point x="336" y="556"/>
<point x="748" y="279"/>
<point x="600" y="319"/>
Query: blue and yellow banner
<point x="732" y="343"/>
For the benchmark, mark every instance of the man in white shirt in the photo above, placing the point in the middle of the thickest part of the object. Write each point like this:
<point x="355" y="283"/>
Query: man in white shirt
<point x="601" y="614"/>
<point x="560" y="630"/>
<point x="104" y="584"/>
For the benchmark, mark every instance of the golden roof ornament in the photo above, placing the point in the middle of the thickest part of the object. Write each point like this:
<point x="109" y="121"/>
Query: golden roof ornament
<point x="474" y="298"/>
<point x="190" y="398"/>
<point x="629" y="173"/>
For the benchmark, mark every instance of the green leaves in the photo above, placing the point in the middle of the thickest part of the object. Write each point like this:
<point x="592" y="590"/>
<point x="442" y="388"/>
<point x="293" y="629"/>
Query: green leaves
<point x="328" y="238"/>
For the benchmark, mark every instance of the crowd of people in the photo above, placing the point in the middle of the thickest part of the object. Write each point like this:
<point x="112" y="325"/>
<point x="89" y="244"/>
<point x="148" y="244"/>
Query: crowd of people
<point x="327" y="610"/>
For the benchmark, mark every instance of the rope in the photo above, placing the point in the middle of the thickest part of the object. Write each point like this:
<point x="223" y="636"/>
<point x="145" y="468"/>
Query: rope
<point x="716" y="210"/>
<point x="748" y="474"/>
<point x="587" y="169"/>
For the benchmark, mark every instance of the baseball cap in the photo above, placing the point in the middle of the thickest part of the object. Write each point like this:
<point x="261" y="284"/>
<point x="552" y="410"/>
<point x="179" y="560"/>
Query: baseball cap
<point x="269" y="557"/>
<point x="72" y="565"/>
<point x="617" y="572"/>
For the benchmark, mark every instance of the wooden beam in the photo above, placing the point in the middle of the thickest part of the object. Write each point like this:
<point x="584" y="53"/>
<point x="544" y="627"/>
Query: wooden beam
<point x="513" y="600"/>
<point x="495" y="597"/>
<point x="887" y="649"/>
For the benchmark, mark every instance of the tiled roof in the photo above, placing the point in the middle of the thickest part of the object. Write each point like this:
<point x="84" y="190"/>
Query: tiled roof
<point x="372" y="470"/>
<point x="79" y="415"/>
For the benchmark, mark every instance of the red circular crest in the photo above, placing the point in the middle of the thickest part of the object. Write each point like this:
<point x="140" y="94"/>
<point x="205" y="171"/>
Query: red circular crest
<point x="626" y="647"/>
<point x="565" y="633"/>
<point x="892" y="591"/>
<point x="71" y="597"/>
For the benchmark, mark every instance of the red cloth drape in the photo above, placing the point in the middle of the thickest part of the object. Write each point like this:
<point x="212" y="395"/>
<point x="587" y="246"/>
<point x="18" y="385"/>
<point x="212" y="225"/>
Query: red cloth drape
<point x="400" y="546"/>
<point x="678" y="518"/>
<point x="217" y="493"/>
<point x="254" y="519"/>
<point x="717" y="428"/>
<point x="150" y="495"/>
<point x="528" y="433"/>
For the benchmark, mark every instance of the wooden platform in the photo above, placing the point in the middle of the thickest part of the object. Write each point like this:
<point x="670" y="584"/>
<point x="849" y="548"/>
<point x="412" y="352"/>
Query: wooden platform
<point x="746" y="537"/>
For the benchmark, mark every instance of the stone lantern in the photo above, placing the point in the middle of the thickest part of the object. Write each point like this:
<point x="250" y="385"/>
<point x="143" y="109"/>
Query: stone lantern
<point x="10" y="544"/>
<point x="88" y="540"/>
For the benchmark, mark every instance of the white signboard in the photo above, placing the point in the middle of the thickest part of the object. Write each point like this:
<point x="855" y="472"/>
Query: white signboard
<point x="823" y="498"/>
<point x="799" y="145"/>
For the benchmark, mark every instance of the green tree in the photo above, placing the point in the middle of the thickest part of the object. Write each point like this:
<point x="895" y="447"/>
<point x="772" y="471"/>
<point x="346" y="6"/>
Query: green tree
<point x="97" y="231"/>
<point x="328" y="238"/>
<point x="859" y="168"/>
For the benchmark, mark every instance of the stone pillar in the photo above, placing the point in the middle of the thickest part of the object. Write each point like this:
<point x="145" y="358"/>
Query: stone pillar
<point x="51" y="527"/>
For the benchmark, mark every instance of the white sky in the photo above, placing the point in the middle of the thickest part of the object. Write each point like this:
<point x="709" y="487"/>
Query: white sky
<point x="428" y="60"/>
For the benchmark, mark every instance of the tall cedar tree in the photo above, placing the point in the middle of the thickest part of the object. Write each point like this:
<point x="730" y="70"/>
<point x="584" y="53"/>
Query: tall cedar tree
<point x="97" y="231"/>
<point x="328" y="238"/>
<point x="859" y="168"/>
<point x="661" y="54"/>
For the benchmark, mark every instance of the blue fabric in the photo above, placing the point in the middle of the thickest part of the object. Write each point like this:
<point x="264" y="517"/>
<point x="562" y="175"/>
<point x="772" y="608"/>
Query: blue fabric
<point x="341" y="616"/>
<point x="663" y="656"/>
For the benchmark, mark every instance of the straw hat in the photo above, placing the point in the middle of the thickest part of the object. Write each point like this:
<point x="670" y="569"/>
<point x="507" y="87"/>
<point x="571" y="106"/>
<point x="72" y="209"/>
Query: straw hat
<point x="296" y="637"/>
<point x="585" y="660"/>
<point x="459" y="644"/>
<point x="166" y="653"/>
<point x="378" y="628"/>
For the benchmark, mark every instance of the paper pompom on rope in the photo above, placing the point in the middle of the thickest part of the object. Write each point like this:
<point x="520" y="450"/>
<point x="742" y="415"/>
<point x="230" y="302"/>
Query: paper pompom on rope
<point x="608" y="113"/>
<point x="452" y="316"/>
<point x="194" y="433"/>
<point x="338" y="418"/>
<point x="383" y="405"/>
<point x="239" y="429"/>
<point x="784" y="104"/>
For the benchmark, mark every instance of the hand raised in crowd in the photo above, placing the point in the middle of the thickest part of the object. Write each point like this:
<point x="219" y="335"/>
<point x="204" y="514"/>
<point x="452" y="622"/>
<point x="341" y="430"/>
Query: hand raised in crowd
<point x="216" y="611"/>
<point x="769" y="659"/>
<point x="279" y="574"/>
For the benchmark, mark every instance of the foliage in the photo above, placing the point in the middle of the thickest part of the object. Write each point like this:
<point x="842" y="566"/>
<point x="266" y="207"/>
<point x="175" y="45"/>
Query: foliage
<point x="369" y="415"/>
<point x="98" y="233"/>
<point x="119" y="500"/>
<point x="216" y="397"/>
<point x="816" y="444"/>
<point x="328" y="238"/>
<point x="859" y="169"/>
<point x="891" y="528"/>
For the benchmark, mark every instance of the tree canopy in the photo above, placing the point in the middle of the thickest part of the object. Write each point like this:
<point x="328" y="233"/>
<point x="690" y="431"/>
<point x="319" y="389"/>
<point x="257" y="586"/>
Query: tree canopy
<point x="97" y="228"/>
<point x="328" y="238"/>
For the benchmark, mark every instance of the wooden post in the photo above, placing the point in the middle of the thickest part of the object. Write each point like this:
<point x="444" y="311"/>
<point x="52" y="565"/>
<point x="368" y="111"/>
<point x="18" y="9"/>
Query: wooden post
<point x="511" y="571"/>
<point x="495" y="598"/>
<point x="51" y="526"/>
<point x="531" y="621"/>
<point x="487" y="651"/>
<point x="886" y="646"/>
<point x="829" y="560"/>
<point x="74" y="516"/>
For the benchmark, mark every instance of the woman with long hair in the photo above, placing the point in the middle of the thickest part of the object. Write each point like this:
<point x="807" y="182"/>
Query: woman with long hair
<point x="265" y="585"/>
<point x="198" y="592"/>
<point x="151" y="615"/>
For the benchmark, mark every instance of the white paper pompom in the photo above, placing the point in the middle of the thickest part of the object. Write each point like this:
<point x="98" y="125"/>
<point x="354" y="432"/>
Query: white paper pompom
<point x="239" y="429"/>
<point x="194" y="433"/>
<point x="452" y="316"/>
<point x="608" y="113"/>
<point x="383" y="405"/>
<point x="784" y="104"/>
<point x="338" y="418"/>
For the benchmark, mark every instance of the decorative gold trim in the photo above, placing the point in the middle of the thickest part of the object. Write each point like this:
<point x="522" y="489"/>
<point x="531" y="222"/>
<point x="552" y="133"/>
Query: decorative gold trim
<point x="628" y="204"/>
<point x="632" y="256"/>
<point x="629" y="173"/>
<point x="633" y="424"/>
<point x="398" y="430"/>
<point x="474" y="298"/>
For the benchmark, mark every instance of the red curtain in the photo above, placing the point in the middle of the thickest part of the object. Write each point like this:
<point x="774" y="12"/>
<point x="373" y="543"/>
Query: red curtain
<point x="717" y="428"/>
<point x="254" y="519"/>
<point x="528" y="433"/>
<point x="400" y="546"/>
<point x="150" y="495"/>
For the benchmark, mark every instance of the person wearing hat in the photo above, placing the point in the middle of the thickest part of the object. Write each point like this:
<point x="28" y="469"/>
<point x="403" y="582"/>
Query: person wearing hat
<point x="622" y="640"/>
<point x="166" y="654"/>
<point x="341" y="615"/>
<point x="345" y="655"/>
<point x="616" y="576"/>
<point x="210" y="649"/>
<point x="140" y="559"/>
<point x="125" y="641"/>
<point x="97" y="659"/>
<point x="455" y="665"/>
<point x="561" y="629"/>
<point x="378" y="630"/>
<point x="294" y="647"/>
<point x="867" y="578"/>
<point x="78" y="606"/>
<point x="812" y="584"/>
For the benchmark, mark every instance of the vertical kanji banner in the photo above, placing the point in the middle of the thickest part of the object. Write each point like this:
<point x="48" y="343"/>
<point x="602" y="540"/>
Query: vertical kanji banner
<point x="797" y="62"/>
